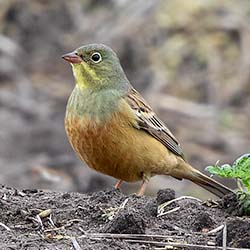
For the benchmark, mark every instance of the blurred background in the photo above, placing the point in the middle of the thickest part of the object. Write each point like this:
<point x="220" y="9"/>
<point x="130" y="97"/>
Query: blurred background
<point x="190" y="60"/>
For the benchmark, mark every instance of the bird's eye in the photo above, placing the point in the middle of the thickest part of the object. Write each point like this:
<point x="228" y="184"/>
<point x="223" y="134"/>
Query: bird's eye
<point x="96" y="57"/>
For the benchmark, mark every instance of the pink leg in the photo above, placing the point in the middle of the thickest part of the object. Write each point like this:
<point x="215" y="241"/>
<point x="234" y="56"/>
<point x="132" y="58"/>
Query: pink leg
<point x="142" y="188"/>
<point x="144" y="184"/>
<point x="118" y="184"/>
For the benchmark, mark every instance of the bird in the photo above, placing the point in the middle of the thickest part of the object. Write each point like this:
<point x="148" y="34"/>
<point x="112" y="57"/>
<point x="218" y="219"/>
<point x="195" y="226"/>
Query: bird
<point x="115" y="131"/>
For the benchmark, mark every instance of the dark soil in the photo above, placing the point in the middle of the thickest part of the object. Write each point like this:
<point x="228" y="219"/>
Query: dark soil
<point x="92" y="221"/>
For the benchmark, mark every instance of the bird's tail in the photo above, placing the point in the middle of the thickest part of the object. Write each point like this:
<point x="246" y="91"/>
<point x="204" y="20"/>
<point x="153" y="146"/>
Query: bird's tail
<point x="188" y="172"/>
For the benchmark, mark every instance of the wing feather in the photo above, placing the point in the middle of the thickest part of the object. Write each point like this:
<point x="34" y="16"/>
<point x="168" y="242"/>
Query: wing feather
<point x="149" y="122"/>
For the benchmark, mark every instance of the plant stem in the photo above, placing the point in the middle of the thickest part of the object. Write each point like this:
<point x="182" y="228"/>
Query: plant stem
<point x="239" y="184"/>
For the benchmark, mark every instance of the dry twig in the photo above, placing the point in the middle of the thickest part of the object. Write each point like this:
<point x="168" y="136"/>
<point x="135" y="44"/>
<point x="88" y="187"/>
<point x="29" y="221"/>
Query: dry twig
<point x="38" y="219"/>
<point x="151" y="239"/>
<point x="75" y="244"/>
<point x="224" y="239"/>
<point x="4" y="226"/>
<point x="217" y="229"/>
<point x="160" y="210"/>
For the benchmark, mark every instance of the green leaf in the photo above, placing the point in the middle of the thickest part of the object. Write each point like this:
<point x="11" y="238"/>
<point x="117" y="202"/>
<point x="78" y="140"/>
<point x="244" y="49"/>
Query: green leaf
<point x="223" y="171"/>
<point x="239" y="170"/>
<point x="246" y="182"/>
<point x="242" y="167"/>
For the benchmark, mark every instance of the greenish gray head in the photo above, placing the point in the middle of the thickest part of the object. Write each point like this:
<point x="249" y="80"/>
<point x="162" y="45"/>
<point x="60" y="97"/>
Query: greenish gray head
<point x="96" y="66"/>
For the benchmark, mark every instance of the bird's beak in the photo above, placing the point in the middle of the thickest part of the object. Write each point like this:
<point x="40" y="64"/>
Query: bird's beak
<point x="72" y="57"/>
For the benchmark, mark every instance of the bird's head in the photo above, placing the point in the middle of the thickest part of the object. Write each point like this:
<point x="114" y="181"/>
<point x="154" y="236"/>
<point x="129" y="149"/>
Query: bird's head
<point x="96" y="66"/>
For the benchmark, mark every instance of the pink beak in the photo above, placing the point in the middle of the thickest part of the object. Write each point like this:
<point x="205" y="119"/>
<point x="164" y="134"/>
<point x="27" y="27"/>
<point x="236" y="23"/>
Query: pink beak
<point x="72" y="57"/>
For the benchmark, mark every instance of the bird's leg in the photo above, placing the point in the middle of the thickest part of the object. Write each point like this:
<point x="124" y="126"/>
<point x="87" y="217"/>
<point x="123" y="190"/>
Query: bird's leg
<point x="118" y="184"/>
<point x="144" y="184"/>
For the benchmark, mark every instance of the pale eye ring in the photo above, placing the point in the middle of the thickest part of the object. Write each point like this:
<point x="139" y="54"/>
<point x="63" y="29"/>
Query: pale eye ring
<point x="96" y="57"/>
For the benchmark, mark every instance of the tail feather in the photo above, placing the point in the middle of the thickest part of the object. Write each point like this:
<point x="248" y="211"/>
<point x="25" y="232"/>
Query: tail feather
<point x="211" y="185"/>
<point x="202" y="180"/>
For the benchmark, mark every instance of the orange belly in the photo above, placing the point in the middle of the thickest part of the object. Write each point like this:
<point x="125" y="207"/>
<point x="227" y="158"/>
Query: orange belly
<point x="116" y="148"/>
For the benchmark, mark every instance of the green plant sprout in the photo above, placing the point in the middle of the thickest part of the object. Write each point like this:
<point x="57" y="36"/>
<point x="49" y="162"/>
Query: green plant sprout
<point x="240" y="171"/>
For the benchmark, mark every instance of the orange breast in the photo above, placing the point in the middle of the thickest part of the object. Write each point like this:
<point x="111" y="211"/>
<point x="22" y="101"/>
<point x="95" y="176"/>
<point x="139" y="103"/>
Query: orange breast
<point x="116" y="148"/>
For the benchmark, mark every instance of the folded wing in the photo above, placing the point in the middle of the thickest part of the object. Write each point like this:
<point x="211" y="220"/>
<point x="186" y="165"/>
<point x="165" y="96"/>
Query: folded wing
<point x="149" y="122"/>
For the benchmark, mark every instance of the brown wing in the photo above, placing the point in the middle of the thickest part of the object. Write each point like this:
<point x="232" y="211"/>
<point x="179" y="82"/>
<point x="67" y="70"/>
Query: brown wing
<point x="149" y="122"/>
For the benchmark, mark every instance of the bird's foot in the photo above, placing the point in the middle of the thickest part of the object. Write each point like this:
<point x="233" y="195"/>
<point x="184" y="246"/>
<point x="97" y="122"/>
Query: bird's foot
<point x="118" y="184"/>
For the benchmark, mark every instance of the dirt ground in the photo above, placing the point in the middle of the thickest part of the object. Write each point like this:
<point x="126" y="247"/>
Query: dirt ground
<point x="190" y="61"/>
<point x="36" y="219"/>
